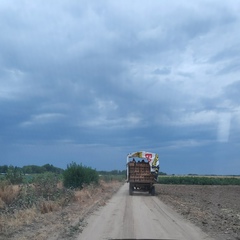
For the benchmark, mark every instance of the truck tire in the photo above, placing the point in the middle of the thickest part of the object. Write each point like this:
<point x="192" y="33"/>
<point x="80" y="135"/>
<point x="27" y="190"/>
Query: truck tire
<point x="153" y="191"/>
<point x="130" y="189"/>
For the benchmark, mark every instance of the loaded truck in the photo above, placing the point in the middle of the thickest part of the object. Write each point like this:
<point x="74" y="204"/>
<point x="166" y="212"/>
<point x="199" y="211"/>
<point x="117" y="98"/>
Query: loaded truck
<point x="142" y="171"/>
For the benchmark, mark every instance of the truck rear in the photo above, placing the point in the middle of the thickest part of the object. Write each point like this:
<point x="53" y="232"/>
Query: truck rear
<point x="142" y="171"/>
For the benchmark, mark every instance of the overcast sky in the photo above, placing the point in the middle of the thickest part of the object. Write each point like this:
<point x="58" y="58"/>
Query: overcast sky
<point x="91" y="81"/>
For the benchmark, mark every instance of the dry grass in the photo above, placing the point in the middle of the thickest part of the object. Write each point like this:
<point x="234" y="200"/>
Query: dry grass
<point x="48" y="206"/>
<point x="8" y="193"/>
<point x="49" y="217"/>
<point x="89" y="192"/>
<point x="83" y="195"/>
<point x="2" y="203"/>
<point x="9" y="223"/>
<point x="13" y="217"/>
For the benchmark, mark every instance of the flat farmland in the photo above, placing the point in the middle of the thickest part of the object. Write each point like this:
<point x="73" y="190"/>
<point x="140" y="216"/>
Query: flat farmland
<point x="213" y="208"/>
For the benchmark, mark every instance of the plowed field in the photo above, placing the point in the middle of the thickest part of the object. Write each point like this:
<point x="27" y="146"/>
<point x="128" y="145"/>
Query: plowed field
<point x="215" y="209"/>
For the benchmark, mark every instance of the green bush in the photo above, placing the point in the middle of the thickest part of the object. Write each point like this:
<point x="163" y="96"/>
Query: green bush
<point x="46" y="185"/>
<point x="14" y="175"/>
<point x="75" y="176"/>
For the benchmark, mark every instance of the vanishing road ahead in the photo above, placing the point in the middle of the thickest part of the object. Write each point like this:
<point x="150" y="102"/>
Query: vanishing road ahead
<point x="140" y="216"/>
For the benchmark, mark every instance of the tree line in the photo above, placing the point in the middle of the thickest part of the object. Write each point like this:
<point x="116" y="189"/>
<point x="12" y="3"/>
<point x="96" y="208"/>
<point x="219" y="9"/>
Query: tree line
<point x="31" y="169"/>
<point x="34" y="169"/>
<point x="75" y="174"/>
<point x="113" y="172"/>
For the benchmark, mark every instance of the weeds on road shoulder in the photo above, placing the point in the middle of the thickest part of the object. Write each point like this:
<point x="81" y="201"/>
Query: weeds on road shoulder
<point x="8" y="193"/>
<point x="20" y="204"/>
<point x="75" y="229"/>
<point x="9" y="223"/>
<point x="45" y="202"/>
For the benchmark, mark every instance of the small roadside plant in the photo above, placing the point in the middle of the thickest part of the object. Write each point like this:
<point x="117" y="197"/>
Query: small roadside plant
<point x="46" y="185"/>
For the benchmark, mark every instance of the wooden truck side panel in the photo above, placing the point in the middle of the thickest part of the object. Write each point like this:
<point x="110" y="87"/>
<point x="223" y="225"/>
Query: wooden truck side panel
<point x="139" y="172"/>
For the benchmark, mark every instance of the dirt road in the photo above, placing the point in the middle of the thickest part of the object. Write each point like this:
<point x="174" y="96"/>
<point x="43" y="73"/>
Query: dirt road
<point x="140" y="216"/>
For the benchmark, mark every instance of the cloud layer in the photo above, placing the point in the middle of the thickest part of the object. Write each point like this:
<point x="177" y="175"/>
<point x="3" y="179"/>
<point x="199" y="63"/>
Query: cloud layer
<point x="90" y="81"/>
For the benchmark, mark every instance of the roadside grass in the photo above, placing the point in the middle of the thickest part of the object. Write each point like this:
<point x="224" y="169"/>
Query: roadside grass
<point x="199" y="180"/>
<point x="109" y="178"/>
<point x="10" y="222"/>
<point x="22" y="204"/>
<point x="8" y="193"/>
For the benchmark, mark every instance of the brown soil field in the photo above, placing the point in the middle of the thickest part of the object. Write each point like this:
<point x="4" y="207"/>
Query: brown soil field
<point x="215" y="209"/>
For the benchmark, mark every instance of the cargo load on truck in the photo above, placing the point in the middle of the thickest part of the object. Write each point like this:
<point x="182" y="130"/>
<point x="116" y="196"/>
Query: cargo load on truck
<point x="142" y="171"/>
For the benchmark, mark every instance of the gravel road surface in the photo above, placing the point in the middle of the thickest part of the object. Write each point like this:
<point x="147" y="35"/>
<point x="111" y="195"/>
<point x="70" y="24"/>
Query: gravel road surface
<point x="140" y="216"/>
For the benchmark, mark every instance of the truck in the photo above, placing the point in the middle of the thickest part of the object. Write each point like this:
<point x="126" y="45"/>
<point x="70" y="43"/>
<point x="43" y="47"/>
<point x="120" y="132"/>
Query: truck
<point x="142" y="171"/>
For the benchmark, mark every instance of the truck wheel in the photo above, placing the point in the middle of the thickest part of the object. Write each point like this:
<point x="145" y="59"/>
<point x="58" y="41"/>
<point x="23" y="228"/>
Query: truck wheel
<point x="153" y="191"/>
<point x="130" y="189"/>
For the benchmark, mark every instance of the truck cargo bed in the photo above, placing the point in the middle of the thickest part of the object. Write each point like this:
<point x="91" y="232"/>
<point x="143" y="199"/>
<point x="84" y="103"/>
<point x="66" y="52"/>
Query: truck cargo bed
<point x="140" y="172"/>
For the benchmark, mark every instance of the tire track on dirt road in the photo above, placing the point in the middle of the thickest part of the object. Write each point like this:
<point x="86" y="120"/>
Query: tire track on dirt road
<point x="140" y="216"/>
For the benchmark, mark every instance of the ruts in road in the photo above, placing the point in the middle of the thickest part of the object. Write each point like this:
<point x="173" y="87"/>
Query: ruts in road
<point x="140" y="216"/>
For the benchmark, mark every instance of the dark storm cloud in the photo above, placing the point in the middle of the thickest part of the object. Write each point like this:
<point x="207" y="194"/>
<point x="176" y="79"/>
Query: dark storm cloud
<point x="94" y="76"/>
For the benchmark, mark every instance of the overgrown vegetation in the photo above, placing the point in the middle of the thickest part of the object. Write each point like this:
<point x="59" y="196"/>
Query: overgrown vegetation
<point x="190" y="180"/>
<point x="75" y="176"/>
<point x="27" y="192"/>
<point x="114" y="175"/>
<point x="45" y="188"/>
<point x="21" y="190"/>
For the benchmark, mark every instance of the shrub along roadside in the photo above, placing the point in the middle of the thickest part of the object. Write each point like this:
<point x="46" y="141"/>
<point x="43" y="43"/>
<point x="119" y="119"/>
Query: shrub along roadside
<point x="19" y="192"/>
<point x="44" y="189"/>
<point x="14" y="175"/>
<point x="198" y="180"/>
<point x="75" y="176"/>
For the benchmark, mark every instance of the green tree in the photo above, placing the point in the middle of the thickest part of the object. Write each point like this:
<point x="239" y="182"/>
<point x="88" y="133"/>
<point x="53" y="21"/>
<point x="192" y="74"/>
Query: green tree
<point x="3" y="169"/>
<point x="76" y="175"/>
<point x="29" y="169"/>
<point x="14" y="175"/>
<point x="50" y="168"/>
